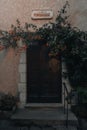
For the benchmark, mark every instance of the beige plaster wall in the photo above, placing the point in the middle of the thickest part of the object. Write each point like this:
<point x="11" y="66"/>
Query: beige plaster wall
<point x="78" y="13"/>
<point x="10" y="10"/>
<point x="9" y="72"/>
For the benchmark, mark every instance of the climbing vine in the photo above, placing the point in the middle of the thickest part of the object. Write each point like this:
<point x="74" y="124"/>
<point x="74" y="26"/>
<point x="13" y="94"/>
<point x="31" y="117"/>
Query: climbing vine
<point x="61" y="37"/>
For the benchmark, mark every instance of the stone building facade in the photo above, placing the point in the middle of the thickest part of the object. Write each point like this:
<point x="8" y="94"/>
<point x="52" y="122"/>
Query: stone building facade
<point x="13" y="66"/>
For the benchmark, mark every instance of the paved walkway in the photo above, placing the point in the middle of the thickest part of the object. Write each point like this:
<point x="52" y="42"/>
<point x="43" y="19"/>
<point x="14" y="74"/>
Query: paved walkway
<point x="44" y="119"/>
<point x="44" y="115"/>
<point x="51" y="119"/>
<point x="10" y="125"/>
<point x="7" y="125"/>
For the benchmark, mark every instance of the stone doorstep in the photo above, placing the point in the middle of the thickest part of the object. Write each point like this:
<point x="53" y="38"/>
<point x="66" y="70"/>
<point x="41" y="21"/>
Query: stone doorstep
<point x="44" y="106"/>
<point x="43" y="117"/>
<point x="38" y="128"/>
<point x="54" y="128"/>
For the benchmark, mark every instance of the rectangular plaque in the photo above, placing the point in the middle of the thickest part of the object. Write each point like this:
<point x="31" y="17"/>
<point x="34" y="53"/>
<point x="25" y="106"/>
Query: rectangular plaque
<point x="42" y="14"/>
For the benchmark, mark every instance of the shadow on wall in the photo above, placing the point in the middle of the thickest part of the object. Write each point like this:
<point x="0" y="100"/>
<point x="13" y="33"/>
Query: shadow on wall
<point x="2" y="55"/>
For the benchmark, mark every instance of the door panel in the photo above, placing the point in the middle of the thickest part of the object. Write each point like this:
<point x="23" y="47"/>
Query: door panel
<point x="43" y="75"/>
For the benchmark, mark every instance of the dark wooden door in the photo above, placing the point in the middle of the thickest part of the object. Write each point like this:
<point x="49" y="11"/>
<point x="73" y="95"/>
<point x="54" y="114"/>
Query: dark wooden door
<point x="43" y="75"/>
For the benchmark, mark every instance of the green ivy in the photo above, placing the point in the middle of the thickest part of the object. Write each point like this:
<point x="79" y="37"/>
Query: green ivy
<point x="62" y="38"/>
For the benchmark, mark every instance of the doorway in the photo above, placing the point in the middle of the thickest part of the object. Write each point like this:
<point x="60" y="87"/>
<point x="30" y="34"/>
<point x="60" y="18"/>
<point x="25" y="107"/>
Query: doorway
<point x="43" y="74"/>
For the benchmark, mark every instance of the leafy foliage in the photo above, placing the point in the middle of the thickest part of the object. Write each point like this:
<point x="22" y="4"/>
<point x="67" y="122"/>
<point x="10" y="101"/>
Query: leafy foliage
<point x="62" y="38"/>
<point x="71" y="42"/>
<point x="82" y="95"/>
<point x="7" y="102"/>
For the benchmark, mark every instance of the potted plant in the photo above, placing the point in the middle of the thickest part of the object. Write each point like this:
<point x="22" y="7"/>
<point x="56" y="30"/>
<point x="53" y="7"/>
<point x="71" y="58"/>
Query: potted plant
<point x="8" y="103"/>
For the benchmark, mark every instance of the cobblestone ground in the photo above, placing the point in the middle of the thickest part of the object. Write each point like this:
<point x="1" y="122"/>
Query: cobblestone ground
<point x="7" y="125"/>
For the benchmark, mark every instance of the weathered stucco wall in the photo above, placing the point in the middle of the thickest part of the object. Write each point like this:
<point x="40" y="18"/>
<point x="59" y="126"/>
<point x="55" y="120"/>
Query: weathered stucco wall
<point x="10" y="10"/>
<point x="21" y="9"/>
<point x="9" y="72"/>
<point x="78" y="13"/>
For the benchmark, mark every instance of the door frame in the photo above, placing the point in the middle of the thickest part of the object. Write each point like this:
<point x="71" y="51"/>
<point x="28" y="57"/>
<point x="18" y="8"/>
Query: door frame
<point x="60" y="82"/>
<point x="22" y="84"/>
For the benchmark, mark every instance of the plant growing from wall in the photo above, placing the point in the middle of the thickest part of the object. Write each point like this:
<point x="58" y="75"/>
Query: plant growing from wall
<point x="17" y="37"/>
<point x="71" y="42"/>
<point x="8" y="102"/>
<point x="62" y="39"/>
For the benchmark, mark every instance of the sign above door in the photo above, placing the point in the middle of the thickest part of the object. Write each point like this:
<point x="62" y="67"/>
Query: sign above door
<point x="42" y="14"/>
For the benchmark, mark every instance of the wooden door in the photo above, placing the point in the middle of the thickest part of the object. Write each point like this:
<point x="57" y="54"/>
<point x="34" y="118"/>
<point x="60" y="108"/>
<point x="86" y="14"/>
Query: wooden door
<point x="43" y="75"/>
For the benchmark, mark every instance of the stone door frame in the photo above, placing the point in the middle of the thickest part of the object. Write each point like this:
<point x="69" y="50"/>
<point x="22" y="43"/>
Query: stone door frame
<point x="22" y="85"/>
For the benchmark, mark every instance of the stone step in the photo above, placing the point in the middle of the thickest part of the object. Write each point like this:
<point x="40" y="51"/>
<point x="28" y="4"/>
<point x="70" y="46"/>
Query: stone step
<point x="38" y="128"/>
<point x="54" y="128"/>
<point x="43" y="117"/>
